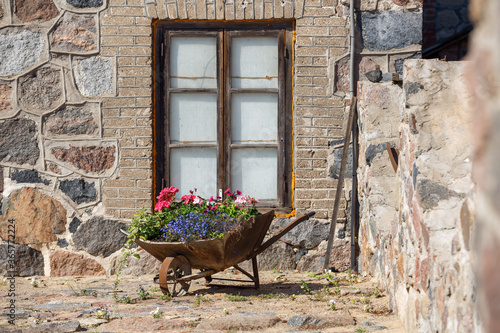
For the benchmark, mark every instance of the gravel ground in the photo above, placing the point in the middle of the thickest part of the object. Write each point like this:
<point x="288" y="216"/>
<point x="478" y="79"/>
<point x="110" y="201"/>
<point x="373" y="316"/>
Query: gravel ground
<point x="286" y="302"/>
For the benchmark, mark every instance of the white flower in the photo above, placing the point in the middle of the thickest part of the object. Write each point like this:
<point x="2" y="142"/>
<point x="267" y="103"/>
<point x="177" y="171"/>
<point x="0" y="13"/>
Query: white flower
<point x="155" y="311"/>
<point x="331" y="301"/>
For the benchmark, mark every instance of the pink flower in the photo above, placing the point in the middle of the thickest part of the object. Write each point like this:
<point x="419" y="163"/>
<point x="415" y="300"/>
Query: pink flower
<point x="241" y="200"/>
<point x="162" y="204"/>
<point x="227" y="191"/>
<point x="238" y="192"/>
<point x="188" y="198"/>
<point x="198" y="201"/>
<point x="167" y="194"/>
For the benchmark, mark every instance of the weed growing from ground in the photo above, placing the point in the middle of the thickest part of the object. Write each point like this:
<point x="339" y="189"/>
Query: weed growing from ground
<point x="331" y="305"/>
<point x="200" y="299"/>
<point x="143" y="294"/>
<point x="157" y="313"/>
<point x="236" y="298"/>
<point x="305" y="288"/>
<point x="165" y="297"/>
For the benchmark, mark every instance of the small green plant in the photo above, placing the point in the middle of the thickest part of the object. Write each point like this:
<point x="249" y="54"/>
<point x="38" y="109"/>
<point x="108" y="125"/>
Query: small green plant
<point x="157" y="313"/>
<point x="360" y="330"/>
<point x="125" y="299"/>
<point x="122" y="263"/>
<point x="104" y="313"/>
<point x="154" y="289"/>
<point x="165" y="297"/>
<point x="236" y="298"/>
<point x="193" y="324"/>
<point x="269" y="296"/>
<point x="305" y="288"/>
<point x="276" y="270"/>
<point x="331" y="305"/>
<point x="3" y="282"/>
<point x="365" y="300"/>
<point x="375" y="292"/>
<point x="200" y="299"/>
<point x="77" y="291"/>
<point x="293" y="297"/>
<point x="143" y="294"/>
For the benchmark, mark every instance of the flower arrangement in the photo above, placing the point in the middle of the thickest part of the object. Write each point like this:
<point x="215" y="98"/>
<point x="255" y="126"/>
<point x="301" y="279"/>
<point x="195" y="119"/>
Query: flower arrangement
<point x="192" y="218"/>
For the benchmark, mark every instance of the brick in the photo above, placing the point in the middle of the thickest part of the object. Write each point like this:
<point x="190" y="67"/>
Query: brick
<point x="303" y="40"/>
<point x="336" y="133"/>
<point x="258" y="9"/>
<point x="303" y="141"/>
<point x="311" y="51"/>
<point x="303" y="164"/>
<point x="303" y="61"/>
<point x="304" y="21"/>
<point x="303" y="203"/>
<point x="135" y="173"/>
<point x="337" y="50"/>
<point x="117" y="2"/>
<point x="135" y="194"/>
<point x="138" y="132"/>
<point x="305" y="80"/>
<point x="135" y="50"/>
<point x="131" y="11"/>
<point x="136" y="112"/>
<point x="128" y="213"/>
<point x="116" y="20"/>
<point x="116" y="102"/>
<point x="309" y="131"/>
<point x="278" y="9"/>
<point x="328" y="3"/>
<point x="109" y="30"/>
<point x="118" y="183"/>
<point x="127" y="143"/>
<point x="143" y="61"/>
<point x="134" y="71"/>
<point x="143" y="41"/>
<point x="143" y="21"/>
<point x="303" y="122"/>
<point x="322" y="204"/>
<point x="288" y="9"/>
<point x="151" y="10"/>
<point x="144" y="163"/>
<point x="135" y="31"/>
<point x="323" y="81"/>
<point x="127" y="163"/>
<point x="328" y="101"/>
<point x="144" y="203"/>
<point x="126" y="61"/>
<point x="110" y="133"/>
<point x="303" y="100"/>
<point x="118" y="122"/>
<point x="110" y="193"/>
<point x="312" y="153"/>
<point x="129" y="91"/>
<point x="144" y="122"/>
<point x="311" y="91"/>
<point x="321" y="142"/>
<point x="320" y="61"/>
<point x="136" y="152"/>
<point x="303" y="183"/>
<point x="333" y="122"/>
<point x="325" y="11"/>
<point x="110" y="113"/>
<point x="114" y="40"/>
<point x="312" y="3"/>
<point x="126" y="82"/>
<point x="339" y="31"/>
<point x="119" y="203"/>
<point x="311" y="70"/>
<point x="311" y="31"/>
<point x="144" y="82"/>
<point x="304" y="173"/>
<point x="335" y="41"/>
<point x="141" y="142"/>
<point x="109" y="50"/>
<point x="320" y="163"/>
<point x="112" y="212"/>
<point x="330" y="21"/>
<point x="311" y="111"/>
<point x="324" y="183"/>
<point x="141" y="101"/>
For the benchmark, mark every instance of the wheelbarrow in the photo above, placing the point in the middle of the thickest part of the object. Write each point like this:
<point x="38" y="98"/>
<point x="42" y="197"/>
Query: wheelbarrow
<point x="212" y="256"/>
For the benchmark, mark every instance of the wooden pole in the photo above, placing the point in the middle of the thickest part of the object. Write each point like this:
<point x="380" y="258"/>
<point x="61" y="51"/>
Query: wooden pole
<point x="340" y="184"/>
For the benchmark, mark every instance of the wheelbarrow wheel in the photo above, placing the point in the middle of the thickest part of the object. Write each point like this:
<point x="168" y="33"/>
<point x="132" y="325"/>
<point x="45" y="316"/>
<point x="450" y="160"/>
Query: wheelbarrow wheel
<point x="172" y="269"/>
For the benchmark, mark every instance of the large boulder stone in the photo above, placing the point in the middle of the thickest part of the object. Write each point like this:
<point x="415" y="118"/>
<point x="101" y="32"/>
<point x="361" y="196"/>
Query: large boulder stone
<point x="240" y="323"/>
<point x="38" y="217"/>
<point x="63" y="263"/>
<point x="19" y="50"/>
<point x="41" y="90"/>
<point x="94" y="76"/>
<point x="71" y="120"/>
<point x="75" y="33"/>
<point x="314" y="260"/>
<point x="307" y="235"/>
<point x="146" y="264"/>
<point x="391" y="30"/>
<point x="99" y="236"/>
<point x="79" y="190"/>
<point x="92" y="158"/>
<point x="5" y="97"/>
<point x="85" y="3"/>
<point x="28" y="261"/>
<point x="35" y="10"/>
<point x="28" y="176"/>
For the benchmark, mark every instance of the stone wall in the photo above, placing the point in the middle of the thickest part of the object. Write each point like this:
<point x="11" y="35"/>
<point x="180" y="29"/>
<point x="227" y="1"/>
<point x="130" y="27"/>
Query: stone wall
<point x="416" y="224"/>
<point x="484" y="74"/>
<point x="76" y="120"/>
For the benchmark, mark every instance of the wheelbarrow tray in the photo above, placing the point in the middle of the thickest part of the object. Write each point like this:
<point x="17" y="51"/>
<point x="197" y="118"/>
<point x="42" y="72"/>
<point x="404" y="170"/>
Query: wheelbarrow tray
<point x="219" y="253"/>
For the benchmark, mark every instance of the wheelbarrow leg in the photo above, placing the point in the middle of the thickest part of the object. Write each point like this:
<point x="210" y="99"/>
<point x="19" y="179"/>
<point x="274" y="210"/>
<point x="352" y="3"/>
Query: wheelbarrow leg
<point x="255" y="272"/>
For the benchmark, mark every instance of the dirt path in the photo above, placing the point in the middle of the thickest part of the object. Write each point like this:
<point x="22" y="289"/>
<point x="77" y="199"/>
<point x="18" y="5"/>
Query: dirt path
<point x="287" y="301"/>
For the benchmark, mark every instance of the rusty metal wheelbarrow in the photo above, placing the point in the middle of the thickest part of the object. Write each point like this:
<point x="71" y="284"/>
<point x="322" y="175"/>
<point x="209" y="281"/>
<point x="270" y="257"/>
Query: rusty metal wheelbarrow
<point x="213" y="255"/>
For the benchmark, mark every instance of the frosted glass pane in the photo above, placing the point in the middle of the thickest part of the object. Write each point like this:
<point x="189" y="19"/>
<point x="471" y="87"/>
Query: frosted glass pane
<point x="254" y="118"/>
<point x="254" y="172"/>
<point x="254" y="62"/>
<point x="192" y="168"/>
<point x="193" y="118"/>
<point x="193" y="62"/>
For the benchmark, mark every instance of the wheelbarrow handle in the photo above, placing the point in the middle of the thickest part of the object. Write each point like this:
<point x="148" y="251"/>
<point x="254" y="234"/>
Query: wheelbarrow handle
<point x="282" y="232"/>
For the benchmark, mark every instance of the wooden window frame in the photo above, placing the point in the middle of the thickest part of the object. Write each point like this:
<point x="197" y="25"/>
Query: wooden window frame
<point x="224" y="32"/>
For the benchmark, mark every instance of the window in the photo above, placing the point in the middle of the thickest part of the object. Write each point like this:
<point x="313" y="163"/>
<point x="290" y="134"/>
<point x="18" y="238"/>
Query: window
<point x="223" y="108"/>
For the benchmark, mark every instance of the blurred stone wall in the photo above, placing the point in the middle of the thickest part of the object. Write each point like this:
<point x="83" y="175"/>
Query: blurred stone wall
<point x="417" y="222"/>
<point x="483" y="74"/>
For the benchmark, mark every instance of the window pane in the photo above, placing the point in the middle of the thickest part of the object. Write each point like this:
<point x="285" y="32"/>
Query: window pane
<point x="254" y="62"/>
<point x="193" y="62"/>
<point x="192" y="168"/>
<point x="254" y="172"/>
<point x="193" y="118"/>
<point x="254" y="118"/>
